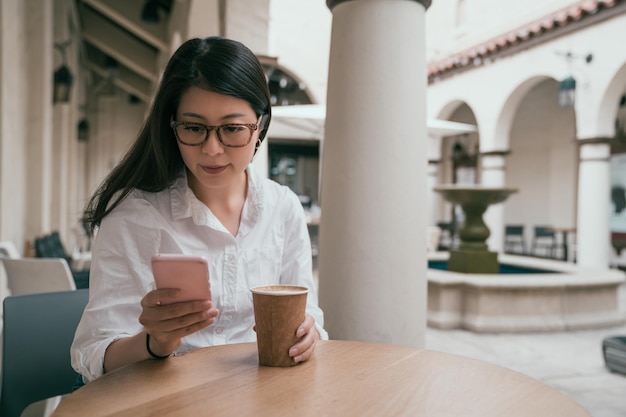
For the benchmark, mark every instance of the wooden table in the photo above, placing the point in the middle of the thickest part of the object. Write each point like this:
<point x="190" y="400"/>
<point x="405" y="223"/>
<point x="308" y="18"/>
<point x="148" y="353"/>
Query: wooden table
<point x="343" y="379"/>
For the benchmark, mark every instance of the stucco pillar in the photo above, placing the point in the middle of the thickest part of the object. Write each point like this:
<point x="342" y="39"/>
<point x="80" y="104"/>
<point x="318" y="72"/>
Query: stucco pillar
<point x="432" y="180"/>
<point x="594" y="202"/>
<point x="13" y="124"/>
<point x="493" y="175"/>
<point x="372" y="234"/>
<point x="433" y="197"/>
<point x="62" y="130"/>
<point x="38" y="19"/>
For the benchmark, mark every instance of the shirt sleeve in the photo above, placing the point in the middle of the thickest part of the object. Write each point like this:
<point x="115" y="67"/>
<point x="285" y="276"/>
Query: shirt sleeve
<point x="297" y="259"/>
<point x="119" y="278"/>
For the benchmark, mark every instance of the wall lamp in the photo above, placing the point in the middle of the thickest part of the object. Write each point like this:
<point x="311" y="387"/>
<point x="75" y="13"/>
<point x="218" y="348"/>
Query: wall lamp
<point x="567" y="92"/>
<point x="150" y="10"/>
<point x="567" y="86"/>
<point x="63" y="77"/>
<point x="83" y="130"/>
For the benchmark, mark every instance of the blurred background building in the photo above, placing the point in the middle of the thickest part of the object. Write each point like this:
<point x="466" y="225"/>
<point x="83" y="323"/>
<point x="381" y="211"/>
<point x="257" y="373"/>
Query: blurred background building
<point x="543" y="82"/>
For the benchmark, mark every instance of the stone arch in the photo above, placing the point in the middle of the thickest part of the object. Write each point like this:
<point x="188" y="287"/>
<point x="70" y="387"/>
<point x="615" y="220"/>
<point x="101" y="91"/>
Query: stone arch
<point x="461" y="112"/>
<point x="286" y="87"/>
<point x="609" y="104"/>
<point x="508" y="111"/>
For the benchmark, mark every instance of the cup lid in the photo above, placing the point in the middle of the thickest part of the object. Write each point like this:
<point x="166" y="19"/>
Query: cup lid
<point x="279" y="289"/>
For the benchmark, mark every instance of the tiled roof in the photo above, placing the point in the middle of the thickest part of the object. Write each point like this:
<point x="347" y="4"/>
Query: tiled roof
<point x="533" y="30"/>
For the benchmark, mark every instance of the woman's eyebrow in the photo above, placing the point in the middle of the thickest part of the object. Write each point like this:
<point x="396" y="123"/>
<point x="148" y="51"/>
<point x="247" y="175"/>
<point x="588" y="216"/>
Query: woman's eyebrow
<point x="225" y="117"/>
<point x="190" y="114"/>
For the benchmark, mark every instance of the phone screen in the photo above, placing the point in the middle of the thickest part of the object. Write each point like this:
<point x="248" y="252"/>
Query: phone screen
<point x="188" y="273"/>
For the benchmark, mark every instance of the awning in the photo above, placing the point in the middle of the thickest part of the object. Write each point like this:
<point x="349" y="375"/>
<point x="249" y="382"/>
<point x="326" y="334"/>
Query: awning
<point x="307" y="122"/>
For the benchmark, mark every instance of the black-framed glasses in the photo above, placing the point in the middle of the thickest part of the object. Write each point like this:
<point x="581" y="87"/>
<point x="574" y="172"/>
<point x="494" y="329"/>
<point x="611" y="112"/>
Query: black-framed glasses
<point x="233" y="135"/>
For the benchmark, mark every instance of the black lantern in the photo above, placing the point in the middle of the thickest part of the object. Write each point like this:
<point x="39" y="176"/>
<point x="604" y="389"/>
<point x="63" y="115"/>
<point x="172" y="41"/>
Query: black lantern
<point x="83" y="130"/>
<point x="567" y="92"/>
<point x="63" y="78"/>
<point x="62" y="84"/>
<point x="133" y="99"/>
<point x="567" y="86"/>
<point x="150" y="12"/>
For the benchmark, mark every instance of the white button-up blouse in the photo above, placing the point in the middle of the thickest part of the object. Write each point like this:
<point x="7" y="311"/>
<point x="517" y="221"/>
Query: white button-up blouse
<point x="272" y="246"/>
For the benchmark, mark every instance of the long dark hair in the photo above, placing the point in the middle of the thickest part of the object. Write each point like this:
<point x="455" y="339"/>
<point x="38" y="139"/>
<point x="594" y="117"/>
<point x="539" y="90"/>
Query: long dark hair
<point x="217" y="64"/>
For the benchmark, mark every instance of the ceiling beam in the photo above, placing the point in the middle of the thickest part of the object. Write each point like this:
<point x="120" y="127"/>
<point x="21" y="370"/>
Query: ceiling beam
<point x="120" y="45"/>
<point x="128" y="15"/>
<point x="127" y="81"/>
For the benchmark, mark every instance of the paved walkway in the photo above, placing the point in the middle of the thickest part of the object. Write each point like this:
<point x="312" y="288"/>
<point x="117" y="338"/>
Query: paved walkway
<point x="569" y="361"/>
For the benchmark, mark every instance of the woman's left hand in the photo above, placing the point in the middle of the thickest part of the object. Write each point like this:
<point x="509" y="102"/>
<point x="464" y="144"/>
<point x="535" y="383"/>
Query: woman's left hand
<point x="309" y="335"/>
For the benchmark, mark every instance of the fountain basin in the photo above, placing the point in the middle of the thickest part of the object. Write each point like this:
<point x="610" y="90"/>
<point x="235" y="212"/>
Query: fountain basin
<point x="568" y="297"/>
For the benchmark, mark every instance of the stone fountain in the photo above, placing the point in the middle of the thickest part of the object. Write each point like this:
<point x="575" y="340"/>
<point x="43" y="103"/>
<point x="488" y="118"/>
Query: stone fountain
<point x="473" y="294"/>
<point x="473" y="255"/>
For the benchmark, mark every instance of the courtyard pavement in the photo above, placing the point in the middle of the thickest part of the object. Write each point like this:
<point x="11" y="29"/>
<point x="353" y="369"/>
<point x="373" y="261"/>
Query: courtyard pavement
<point x="569" y="361"/>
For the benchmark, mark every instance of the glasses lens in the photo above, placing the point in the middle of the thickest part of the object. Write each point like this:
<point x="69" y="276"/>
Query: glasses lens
<point x="235" y="135"/>
<point x="191" y="133"/>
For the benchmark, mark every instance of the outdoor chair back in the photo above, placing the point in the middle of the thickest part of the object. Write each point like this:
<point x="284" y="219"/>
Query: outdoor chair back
<point x="38" y="332"/>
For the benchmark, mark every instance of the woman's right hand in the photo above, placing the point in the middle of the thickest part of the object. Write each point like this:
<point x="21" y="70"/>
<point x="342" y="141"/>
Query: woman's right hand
<point x="168" y="321"/>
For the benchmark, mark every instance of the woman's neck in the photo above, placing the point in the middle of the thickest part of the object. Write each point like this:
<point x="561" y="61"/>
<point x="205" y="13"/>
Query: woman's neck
<point x="225" y="203"/>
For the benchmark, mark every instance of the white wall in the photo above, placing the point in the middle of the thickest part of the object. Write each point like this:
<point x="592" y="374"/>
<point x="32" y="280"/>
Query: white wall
<point x="300" y="37"/>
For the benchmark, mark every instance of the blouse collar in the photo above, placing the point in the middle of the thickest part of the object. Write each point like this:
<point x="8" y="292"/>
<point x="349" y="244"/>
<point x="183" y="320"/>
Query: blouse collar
<point x="185" y="204"/>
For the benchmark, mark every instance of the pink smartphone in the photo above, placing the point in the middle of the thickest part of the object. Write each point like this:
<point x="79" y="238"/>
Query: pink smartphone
<point x="186" y="272"/>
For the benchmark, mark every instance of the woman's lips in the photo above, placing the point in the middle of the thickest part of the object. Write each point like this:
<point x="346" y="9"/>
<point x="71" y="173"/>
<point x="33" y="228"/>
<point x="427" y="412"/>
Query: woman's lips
<point x="214" y="169"/>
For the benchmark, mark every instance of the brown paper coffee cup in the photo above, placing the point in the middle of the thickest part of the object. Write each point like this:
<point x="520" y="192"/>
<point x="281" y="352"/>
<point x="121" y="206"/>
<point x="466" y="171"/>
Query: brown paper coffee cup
<point x="278" y="311"/>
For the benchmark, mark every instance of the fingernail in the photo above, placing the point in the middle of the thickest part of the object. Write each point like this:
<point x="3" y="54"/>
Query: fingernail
<point x="293" y="351"/>
<point x="300" y="332"/>
<point x="297" y="359"/>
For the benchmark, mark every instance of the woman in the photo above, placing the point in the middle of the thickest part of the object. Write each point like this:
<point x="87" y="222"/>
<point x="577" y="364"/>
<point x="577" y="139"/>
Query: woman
<point x="187" y="186"/>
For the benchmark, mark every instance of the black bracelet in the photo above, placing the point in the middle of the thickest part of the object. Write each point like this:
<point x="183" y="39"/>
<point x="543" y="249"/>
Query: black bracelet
<point x="154" y="355"/>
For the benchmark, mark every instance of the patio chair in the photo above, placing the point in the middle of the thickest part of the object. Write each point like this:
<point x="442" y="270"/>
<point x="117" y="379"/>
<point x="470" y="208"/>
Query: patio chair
<point x="8" y="250"/>
<point x="544" y="242"/>
<point x="50" y="246"/>
<point x="514" y="241"/>
<point x="446" y="238"/>
<point x="38" y="332"/>
<point x="35" y="275"/>
<point x="433" y="236"/>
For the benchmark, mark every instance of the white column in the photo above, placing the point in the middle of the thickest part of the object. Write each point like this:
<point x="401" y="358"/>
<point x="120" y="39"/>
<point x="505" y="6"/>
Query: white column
<point x="373" y="225"/>
<point x="594" y="202"/>
<point x="492" y="175"/>
<point x="39" y="72"/>
<point x="15" y="117"/>
<point x="59" y="168"/>
<point x="433" y="197"/>
<point x="64" y="130"/>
